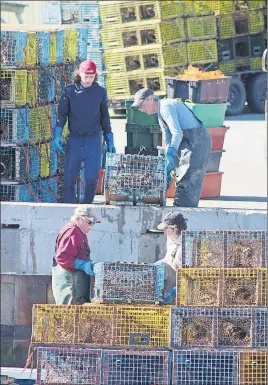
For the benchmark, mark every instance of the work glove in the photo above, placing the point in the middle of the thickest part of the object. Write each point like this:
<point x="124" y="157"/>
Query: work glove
<point x="109" y="140"/>
<point x="86" y="266"/>
<point x="168" y="297"/>
<point x="58" y="140"/>
<point x="170" y="158"/>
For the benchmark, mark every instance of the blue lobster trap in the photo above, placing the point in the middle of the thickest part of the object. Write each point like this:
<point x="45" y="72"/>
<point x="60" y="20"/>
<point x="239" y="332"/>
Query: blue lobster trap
<point x="94" y="39"/>
<point x="13" y="45"/>
<point x="89" y="14"/>
<point x="136" y="367"/>
<point x="82" y="43"/>
<point x="192" y="367"/>
<point x="43" y="48"/>
<point x="49" y="190"/>
<point x="14" y="125"/>
<point x="97" y="56"/>
<point x="46" y="84"/>
<point x="14" y="192"/>
<point x="59" y="46"/>
<point x="128" y="282"/>
<point x="102" y="80"/>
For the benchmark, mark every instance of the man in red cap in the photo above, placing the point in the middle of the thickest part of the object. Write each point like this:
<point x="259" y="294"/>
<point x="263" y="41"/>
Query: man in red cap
<point x="84" y="103"/>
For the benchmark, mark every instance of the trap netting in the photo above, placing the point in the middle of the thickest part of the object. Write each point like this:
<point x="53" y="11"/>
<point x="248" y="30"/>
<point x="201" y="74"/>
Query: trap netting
<point x="135" y="179"/>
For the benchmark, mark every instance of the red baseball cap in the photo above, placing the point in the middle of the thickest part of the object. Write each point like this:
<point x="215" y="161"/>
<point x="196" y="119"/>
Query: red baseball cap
<point x="88" y="67"/>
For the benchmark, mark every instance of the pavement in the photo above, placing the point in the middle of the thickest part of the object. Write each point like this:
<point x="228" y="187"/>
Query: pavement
<point x="244" y="182"/>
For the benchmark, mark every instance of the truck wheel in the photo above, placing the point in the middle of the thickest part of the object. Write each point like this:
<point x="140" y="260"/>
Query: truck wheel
<point x="237" y="97"/>
<point x="257" y="92"/>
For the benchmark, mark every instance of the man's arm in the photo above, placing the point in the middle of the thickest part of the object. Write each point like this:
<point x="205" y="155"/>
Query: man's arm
<point x="104" y="115"/>
<point x="63" y="110"/>
<point x="170" y="116"/>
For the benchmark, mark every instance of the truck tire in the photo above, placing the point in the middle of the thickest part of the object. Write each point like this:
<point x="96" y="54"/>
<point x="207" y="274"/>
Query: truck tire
<point x="237" y="97"/>
<point x="257" y="92"/>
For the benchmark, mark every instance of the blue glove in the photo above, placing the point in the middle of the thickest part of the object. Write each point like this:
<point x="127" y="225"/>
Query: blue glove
<point x="168" y="298"/>
<point x="170" y="157"/>
<point x="86" y="266"/>
<point x="58" y="140"/>
<point x="109" y="139"/>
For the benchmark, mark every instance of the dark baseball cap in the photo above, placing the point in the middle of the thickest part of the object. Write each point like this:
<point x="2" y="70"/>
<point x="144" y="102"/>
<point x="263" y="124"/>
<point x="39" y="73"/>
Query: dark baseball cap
<point x="140" y="96"/>
<point x="172" y="219"/>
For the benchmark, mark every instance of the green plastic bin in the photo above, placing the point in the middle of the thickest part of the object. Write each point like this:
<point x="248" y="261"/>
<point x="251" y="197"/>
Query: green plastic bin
<point x="140" y="135"/>
<point x="138" y="117"/>
<point x="212" y="115"/>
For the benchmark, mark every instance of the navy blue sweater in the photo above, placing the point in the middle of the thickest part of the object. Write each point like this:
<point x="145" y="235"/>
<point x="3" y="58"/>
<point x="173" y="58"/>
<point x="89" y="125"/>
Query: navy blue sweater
<point x="86" y="110"/>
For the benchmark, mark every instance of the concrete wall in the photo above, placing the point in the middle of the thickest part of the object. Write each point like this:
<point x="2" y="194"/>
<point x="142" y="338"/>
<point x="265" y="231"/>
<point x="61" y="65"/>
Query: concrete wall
<point x="122" y="234"/>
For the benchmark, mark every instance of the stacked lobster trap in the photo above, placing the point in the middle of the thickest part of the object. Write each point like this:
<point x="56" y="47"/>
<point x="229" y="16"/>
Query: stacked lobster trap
<point x="127" y="336"/>
<point x="36" y="64"/>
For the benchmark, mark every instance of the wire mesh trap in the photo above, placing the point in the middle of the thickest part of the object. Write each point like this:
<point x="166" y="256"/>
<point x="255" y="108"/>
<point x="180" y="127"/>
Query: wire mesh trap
<point x="204" y="367"/>
<point x="253" y="367"/>
<point x="68" y="365"/>
<point x="214" y="248"/>
<point x="101" y="325"/>
<point x="13" y="86"/>
<point x="135" y="178"/>
<point x="14" y="125"/>
<point x="128" y="282"/>
<point x="136" y="367"/>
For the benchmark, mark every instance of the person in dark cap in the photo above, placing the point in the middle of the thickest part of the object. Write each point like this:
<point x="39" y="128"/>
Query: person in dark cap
<point x="172" y="225"/>
<point x="188" y="144"/>
<point x="72" y="266"/>
<point x="84" y="104"/>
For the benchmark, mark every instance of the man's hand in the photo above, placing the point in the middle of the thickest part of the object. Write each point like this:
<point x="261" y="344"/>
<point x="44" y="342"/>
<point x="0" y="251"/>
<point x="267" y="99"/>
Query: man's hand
<point x="170" y="157"/>
<point x="58" y="140"/>
<point x="109" y="139"/>
<point x="86" y="266"/>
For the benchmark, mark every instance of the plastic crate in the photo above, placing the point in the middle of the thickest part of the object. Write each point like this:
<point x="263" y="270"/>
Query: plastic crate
<point x="214" y="161"/>
<point x="123" y="367"/>
<point x="101" y="325"/>
<point x="124" y="86"/>
<point x="14" y="125"/>
<point x="143" y="136"/>
<point x="222" y="287"/>
<point x="13" y="85"/>
<point x="70" y="365"/>
<point x="135" y="179"/>
<point x="212" y="115"/>
<point x="39" y="125"/>
<point x="128" y="282"/>
<point x="240" y="24"/>
<point x="11" y="192"/>
<point x="253" y="367"/>
<point x="82" y="37"/>
<point x="201" y="27"/>
<point x="134" y="59"/>
<point x="124" y="13"/>
<point x="138" y="117"/>
<point x="224" y="248"/>
<point x="201" y="52"/>
<point x="217" y="136"/>
<point x="60" y="46"/>
<point x="199" y="91"/>
<point x="235" y="328"/>
<point x="205" y="367"/>
<point x="13" y="44"/>
<point x="43" y="48"/>
<point x="211" y="185"/>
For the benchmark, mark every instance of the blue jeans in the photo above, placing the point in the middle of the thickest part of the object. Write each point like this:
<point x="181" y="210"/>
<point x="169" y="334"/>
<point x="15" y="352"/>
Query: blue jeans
<point x="89" y="151"/>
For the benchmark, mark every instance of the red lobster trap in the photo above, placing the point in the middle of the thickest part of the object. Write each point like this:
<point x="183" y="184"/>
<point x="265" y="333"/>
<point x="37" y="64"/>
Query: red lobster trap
<point x="135" y="179"/>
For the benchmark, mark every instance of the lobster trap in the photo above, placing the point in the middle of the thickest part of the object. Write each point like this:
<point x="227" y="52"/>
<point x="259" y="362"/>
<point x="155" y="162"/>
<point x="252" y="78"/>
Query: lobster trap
<point x="46" y="85"/>
<point x="12" y="45"/>
<point x="243" y="328"/>
<point x="82" y="38"/>
<point x="199" y="28"/>
<point x="202" y="52"/>
<point x="80" y="12"/>
<point x="101" y="325"/>
<point x="196" y="367"/>
<point x="97" y="56"/>
<point x="14" y="125"/>
<point x="253" y="367"/>
<point x="128" y="282"/>
<point x="69" y="45"/>
<point x="136" y="367"/>
<point x="135" y="178"/>
<point x="222" y="287"/>
<point x="60" y="47"/>
<point x="13" y="86"/>
<point x="216" y="248"/>
<point x="39" y="124"/>
<point x="14" y="192"/>
<point x="68" y="365"/>
<point x="43" y="48"/>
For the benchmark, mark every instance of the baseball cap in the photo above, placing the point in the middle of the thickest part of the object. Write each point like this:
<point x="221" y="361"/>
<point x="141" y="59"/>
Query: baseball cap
<point x="88" y="67"/>
<point x="140" y="96"/>
<point x="172" y="219"/>
<point x="81" y="211"/>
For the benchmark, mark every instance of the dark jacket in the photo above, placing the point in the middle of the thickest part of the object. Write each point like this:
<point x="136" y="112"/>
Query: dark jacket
<point x="70" y="245"/>
<point x="86" y="110"/>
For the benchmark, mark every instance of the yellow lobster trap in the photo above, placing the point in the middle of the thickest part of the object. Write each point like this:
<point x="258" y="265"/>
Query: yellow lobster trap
<point x="202" y="52"/>
<point x="39" y="124"/>
<point x="253" y="367"/>
<point x="241" y="23"/>
<point x="69" y="45"/>
<point x="222" y="287"/>
<point x="100" y="325"/>
<point x="13" y="85"/>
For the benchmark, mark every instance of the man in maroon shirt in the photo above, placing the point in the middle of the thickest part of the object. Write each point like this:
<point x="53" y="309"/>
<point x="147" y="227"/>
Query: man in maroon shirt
<point x="72" y="266"/>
